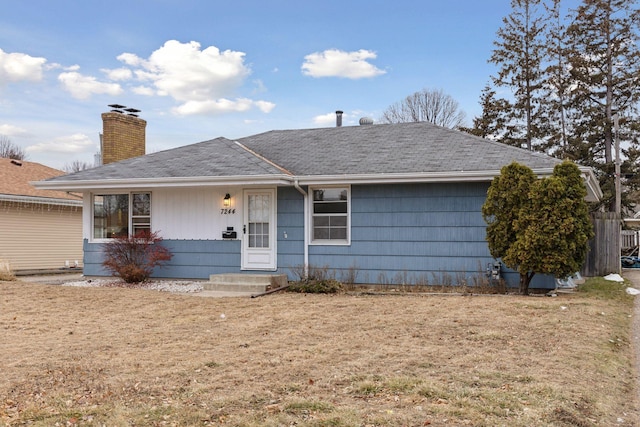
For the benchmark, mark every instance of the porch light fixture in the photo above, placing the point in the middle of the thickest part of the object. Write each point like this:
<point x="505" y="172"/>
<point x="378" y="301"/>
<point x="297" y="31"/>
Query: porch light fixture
<point x="227" y="200"/>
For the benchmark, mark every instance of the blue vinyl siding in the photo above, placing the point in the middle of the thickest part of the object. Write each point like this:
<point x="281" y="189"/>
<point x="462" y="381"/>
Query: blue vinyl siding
<point x="290" y="221"/>
<point x="192" y="259"/>
<point x="415" y="233"/>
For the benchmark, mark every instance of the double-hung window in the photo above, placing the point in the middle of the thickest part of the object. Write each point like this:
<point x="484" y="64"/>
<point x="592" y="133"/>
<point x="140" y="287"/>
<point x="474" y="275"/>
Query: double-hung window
<point x="330" y="215"/>
<point x="116" y="215"/>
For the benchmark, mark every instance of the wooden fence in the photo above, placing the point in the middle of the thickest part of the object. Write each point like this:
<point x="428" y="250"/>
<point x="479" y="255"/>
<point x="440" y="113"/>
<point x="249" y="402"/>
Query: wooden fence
<point x="630" y="241"/>
<point x="604" y="249"/>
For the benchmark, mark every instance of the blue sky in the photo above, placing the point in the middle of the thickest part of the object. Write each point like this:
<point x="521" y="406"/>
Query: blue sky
<point x="203" y="69"/>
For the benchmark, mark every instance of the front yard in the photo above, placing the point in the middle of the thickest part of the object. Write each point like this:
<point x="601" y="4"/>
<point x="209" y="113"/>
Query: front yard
<point x="113" y="356"/>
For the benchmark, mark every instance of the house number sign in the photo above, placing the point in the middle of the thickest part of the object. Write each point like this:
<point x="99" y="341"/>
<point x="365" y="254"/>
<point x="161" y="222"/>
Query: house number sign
<point x="227" y="211"/>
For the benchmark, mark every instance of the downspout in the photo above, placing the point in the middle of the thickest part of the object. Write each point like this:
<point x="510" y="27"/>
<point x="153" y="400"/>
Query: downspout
<point x="306" y="226"/>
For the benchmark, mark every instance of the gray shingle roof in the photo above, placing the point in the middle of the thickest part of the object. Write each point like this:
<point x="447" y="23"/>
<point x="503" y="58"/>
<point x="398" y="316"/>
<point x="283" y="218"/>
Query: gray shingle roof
<point x="392" y="148"/>
<point x="217" y="157"/>
<point x="353" y="150"/>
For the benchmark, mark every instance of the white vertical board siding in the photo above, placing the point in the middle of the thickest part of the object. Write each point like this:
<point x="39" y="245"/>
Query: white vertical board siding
<point x="195" y="213"/>
<point x="37" y="237"/>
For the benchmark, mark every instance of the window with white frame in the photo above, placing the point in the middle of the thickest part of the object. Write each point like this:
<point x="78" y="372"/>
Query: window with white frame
<point x="330" y="215"/>
<point x="115" y="215"/>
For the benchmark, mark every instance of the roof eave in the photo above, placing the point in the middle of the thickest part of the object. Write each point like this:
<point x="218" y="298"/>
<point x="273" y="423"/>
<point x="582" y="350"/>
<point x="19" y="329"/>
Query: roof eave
<point x="594" y="193"/>
<point x="40" y="200"/>
<point x="165" y="182"/>
<point x="399" y="178"/>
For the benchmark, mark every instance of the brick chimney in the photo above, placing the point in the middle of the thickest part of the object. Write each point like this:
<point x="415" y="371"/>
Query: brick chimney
<point x="123" y="136"/>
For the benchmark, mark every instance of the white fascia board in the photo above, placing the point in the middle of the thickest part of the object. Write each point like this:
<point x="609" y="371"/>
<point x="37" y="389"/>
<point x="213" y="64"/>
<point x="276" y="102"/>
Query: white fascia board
<point x="594" y="193"/>
<point x="402" y="178"/>
<point x="40" y="200"/>
<point x="168" y="182"/>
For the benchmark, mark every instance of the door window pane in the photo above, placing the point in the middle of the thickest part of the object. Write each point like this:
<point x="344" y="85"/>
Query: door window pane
<point x="258" y="215"/>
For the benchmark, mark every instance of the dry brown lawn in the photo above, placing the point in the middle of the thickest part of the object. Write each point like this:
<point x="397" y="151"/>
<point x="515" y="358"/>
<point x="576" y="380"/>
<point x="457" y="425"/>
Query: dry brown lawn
<point x="118" y="357"/>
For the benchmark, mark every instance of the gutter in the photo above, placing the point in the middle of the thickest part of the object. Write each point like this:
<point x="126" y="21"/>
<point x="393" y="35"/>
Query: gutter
<point x="40" y="200"/>
<point x="306" y="227"/>
<point x="164" y="182"/>
<point x="400" y="178"/>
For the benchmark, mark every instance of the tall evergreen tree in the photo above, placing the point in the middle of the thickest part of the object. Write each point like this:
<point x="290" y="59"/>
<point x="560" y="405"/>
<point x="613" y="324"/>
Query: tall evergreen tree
<point x="519" y="53"/>
<point x="605" y="72"/>
<point x="557" y="84"/>
<point x="492" y="122"/>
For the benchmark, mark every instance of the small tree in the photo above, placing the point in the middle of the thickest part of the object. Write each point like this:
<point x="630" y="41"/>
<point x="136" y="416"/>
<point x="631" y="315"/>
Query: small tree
<point x="133" y="258"/>
<point x="543" y="230"/>
<point x="77" y="166"/>
<point x="555" y="226"/>
<point x="9" y="150"/>
<point x="506" y="196"/>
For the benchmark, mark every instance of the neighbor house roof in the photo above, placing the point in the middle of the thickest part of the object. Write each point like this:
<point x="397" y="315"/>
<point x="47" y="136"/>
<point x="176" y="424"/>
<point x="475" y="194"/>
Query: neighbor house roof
<point x="407" y="152"/>
<point x="15" y="178"/>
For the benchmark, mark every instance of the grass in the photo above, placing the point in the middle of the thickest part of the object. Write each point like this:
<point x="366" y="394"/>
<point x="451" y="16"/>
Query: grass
<point x="120" y="357"/>
<point x="598" y="287"/>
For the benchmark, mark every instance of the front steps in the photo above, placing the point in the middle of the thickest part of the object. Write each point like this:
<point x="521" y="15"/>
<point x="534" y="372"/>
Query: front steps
<point x="249" y="283"/>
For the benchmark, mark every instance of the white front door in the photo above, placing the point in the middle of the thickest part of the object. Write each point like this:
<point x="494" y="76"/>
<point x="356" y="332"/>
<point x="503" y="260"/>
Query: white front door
<point x="258" y="231"/>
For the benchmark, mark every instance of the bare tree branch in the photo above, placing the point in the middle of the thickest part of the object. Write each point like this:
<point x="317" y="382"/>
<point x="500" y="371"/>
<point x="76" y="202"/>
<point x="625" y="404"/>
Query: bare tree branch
<point x="9" y="150"/>
<point x="426" y="105"/>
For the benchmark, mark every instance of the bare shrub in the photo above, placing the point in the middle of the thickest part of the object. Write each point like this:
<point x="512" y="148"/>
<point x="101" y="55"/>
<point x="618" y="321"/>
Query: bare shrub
<point x="383" y="279"/>
<point x="133" y="258"/>
<point x="312" y="272"/>
<point x="6" y="274"/>
<point x="351" y="275"/>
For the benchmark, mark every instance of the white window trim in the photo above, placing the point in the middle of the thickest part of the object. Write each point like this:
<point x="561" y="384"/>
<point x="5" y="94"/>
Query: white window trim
<point x="328" y="242"/>
<point x="130" y="215"/>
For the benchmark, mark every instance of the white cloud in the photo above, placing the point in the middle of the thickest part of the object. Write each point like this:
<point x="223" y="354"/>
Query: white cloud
<point x="221" y="106"/>
<point x="52" y="66"/>
<point x="338" y="63"/>
<point x="130" y="59"/>
<point x="326" y="119"/>
<point x="259" y="86"/>
<point x="82" y="87"/>
<point x="20" y="66"/>
<point x="202" y="80"/>
<point x="10" y="130"/>
<point x="143" y="90"/>
<point x="265" y="106"/>
<point x="186" y="73"/>
<point x="118" y="74"/>
<point x="72" y="144"/>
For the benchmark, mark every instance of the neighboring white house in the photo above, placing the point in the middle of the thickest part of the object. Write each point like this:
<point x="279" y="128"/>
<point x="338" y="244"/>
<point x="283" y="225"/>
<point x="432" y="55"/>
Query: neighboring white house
<point x="39" y="229"/>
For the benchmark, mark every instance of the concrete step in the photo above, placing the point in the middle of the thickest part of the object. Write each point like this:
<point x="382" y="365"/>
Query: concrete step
<point x="239" y="282"/>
